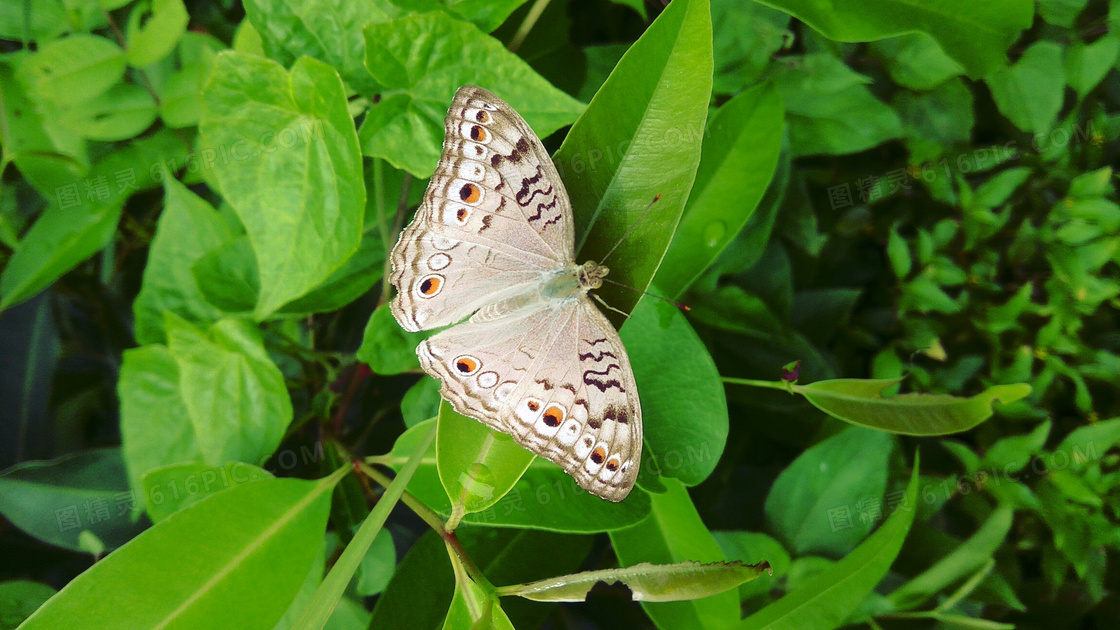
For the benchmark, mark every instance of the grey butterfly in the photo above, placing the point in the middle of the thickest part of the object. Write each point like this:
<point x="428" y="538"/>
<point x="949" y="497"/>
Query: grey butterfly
<point x="493" y="239"/>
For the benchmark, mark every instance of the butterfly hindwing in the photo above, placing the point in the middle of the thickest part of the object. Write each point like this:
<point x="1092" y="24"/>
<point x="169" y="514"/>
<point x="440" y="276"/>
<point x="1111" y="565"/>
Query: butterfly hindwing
<point x="557" y="379"/>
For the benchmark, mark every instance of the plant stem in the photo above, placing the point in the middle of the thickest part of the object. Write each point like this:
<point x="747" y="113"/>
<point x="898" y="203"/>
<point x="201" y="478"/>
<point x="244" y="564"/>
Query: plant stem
<point x="782" y="385"/>
<point x="427" y="515"/>
<point x="527" y="25"/>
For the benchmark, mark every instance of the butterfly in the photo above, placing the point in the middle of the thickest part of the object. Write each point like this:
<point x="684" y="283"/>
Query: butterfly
<point x="493" y="239"/>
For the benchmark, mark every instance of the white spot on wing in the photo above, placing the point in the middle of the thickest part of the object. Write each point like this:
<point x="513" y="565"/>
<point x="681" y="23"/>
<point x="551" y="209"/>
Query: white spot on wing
<point x="438" y="261"/>
<point x="487" y="379"/>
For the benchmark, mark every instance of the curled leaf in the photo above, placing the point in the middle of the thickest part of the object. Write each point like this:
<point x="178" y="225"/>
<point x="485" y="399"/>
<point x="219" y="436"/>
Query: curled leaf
<point x="647" y="582"/>
<point x="860" y="401"/>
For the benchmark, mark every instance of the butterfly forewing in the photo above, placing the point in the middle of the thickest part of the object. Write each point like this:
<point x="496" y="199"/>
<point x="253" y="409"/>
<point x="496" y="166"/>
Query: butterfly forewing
<point x="494" y="228"/>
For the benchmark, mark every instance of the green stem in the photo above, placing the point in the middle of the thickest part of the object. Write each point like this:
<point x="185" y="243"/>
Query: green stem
<point x="428" y="515"/>
<point x="750" y="382"/>
<point x="527" y="25"/>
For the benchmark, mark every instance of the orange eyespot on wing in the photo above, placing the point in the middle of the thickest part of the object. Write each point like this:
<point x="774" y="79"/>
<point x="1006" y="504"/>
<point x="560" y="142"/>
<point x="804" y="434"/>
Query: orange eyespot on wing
<point x="429" y="285"/>
<point x="470" y="193"/>
<point x="612" y="465"/>
<point x="466" y="365"/>
<point x="533" y="405"/>
<point x="553" y="415"/>
<point x="478" y="132"/>
<point x="482" y="116"/>
<point x="598" y="455"/>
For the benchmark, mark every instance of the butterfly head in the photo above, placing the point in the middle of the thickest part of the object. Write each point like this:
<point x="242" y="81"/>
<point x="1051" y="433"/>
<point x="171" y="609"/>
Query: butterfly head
<point x="591" y="275"/>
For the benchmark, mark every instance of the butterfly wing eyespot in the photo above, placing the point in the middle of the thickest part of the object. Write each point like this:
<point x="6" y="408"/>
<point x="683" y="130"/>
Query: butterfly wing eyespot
<point x="430" y="285"/>
<point x="467" y="365"/>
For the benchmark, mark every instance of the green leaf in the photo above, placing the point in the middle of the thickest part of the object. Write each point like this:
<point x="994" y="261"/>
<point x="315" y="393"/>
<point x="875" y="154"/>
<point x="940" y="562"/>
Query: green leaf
<point x="47" y="159"/>
<point x="996" y="190"/>
<point x="421" y="60"/>
<point x="72" y="70"/>
<point x="326" y="597"/>
<point x="825" y="601"/>
<point x="967" y="558"/>
<point x="1011" y="454"/>
<point x="1087" y="64"/>
<point x="58" y="241"/>
<point x="349" y="282"/>
<point x="975" y="34"/>
<point x="673" y="532"/>
<point x="386" y="347"/>
<point x="936" y="120"/>
<point x="55" y="501"/>
<point x="1088" y="443"/>
<point x="639" y="139"/>
<point x="326" y="30"/>
<point x="1030" y="92"/>
<point x="898" y="252"/>
<point x="172" y="488"/>
<point x="487" y="15"/>
<point x="916" y="61"/>
<point x="477" y="465"/>
<point x="159" y="35"/>
<point x="38" y="20"/>
<point x="121" y="112"/>
<point x="647" y="582"/>
<point x="295" y="175"/>
<point x="740" y="153"/>
<point x="20" y="598"/>
<point x="377" y="566"/>
<point x="188" y="229"/>
<point x="155" y="425"/>
<point x="859" y="401"/>
<point x="234" y="394"/>
<point x="227" y="276"/>
<point x="421" y="401"/>
<point x="237" y="560"/>
<point x="829" y="108"/>
<point x="745" y="35"/>
<point x="830" y="497"/>
<point x="685" y="434"/>
<point x="545" y="497"/>
<point x="1061" y="12"/>
<point x="755" y="548"/>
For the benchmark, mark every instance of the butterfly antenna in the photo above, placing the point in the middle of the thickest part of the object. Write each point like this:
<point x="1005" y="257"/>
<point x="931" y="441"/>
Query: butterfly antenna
<point x="608" y="306"/>
<point x="683" y="307"/>
<point x="632" y="227"/>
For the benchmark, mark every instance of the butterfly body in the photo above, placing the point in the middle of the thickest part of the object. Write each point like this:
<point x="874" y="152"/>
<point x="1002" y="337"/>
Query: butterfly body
<point x="492" y="243"/>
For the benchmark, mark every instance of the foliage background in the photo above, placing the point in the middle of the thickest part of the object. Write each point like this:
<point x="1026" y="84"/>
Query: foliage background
<point x="872" y="188"/>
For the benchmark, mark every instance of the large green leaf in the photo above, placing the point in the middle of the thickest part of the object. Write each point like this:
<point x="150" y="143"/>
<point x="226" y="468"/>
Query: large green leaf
<point x="422" y="60"/>
<point x="825" y="601"/>
<point x="673" y="532"/>
<point x="234" y="560"/>
<point x="477" y="465"/>
<point x="1030" y="92"/>
<point x="741" y="147"/>
<point x="327" y="30"/>
<point x="234" y="394"/>
<point x="55" y="501"/>
<point x="640" y="139"/>
<point x="188" y="229"/>
<point x="976" y="34"/>
<point x="283" y="150"/>
<point x="685" y="434"/>
<point x="158" y="36"/>
<point x="830" y="497"/>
